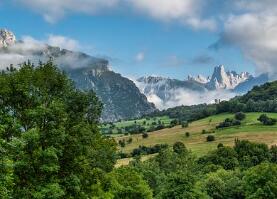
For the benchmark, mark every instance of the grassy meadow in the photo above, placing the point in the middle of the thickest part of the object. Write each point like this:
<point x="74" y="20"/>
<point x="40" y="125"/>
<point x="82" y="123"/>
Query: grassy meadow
<point x="250" y="129"/>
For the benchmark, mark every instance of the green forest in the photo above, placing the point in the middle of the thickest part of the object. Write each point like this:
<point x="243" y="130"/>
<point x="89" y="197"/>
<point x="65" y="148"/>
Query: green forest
<point x="51" y="147"/>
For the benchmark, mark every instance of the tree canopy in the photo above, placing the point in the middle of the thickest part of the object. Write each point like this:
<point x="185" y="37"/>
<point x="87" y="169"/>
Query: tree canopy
<point x="49" y="139"/>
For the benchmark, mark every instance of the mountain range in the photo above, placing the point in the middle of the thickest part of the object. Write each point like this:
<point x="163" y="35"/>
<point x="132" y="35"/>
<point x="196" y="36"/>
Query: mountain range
<point x="221" y="84"/>
<point x="123" y="98"/>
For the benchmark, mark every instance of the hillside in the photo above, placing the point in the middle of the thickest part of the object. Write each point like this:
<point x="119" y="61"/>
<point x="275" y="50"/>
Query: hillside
<point x="119" y="95"/>
<point x="250" y="129"/>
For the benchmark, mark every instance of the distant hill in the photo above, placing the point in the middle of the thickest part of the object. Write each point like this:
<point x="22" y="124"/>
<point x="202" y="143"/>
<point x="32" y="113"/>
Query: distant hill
<point x="265" y="92"/>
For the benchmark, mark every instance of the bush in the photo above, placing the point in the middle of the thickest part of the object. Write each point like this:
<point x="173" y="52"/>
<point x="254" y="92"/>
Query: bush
<point x="228" y="123"/>
<point x="187" y="134"/>
<point x="144" y="135"/>
<point x="174" y="122"/>
<point x="220" y="145"/>
<point x="122" y="143"/>
<point x="130" y="140"/>
<point x="210" y="138"/>
<point x="240" y="116"/>
<point x="185" y="124"/>
<point x="266" y="120"/>
<point x="179" y="147"/>
<point x="143" y="150"/>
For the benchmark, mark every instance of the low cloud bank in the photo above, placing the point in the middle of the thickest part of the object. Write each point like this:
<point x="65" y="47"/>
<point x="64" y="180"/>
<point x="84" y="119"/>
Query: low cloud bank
<point x="187" y="97"/>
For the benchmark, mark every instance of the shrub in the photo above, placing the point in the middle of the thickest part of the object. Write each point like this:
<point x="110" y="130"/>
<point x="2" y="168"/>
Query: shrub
<point x="122" y="143"/>
<point x="185" y="124"/>
<point x="144" y="135"/>
<point x="266" y="120"/>
<point x="210" y="138"/>
<point x="228" y="123"/>
<point x="179" y="147"/>
<point x="220" y="145"/>
<point x="240" y="116"/>
<point x="143" y="150"/>
<point x="187" y="134"/>
<point x="130" y="140"/>
<point x="174" y="122"/>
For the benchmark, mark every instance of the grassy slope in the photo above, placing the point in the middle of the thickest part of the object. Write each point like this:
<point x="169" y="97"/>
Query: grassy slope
<point x="250" y="129"/>
<point x="148" y="123"/>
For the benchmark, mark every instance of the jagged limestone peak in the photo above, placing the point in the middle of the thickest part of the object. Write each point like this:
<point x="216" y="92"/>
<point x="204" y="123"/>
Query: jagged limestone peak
<point x="7" y="38"/>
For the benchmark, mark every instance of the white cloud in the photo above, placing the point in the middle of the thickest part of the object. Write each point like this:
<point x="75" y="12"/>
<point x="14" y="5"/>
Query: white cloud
<point x="24" y="50"/>
<point x="140" y="57"/>
<point x="180" y="97"/>
<point x="187" y="12"/>
<point x="254" y="31"/>
<point x="53" y="10"/>
<point x="63" y="42"/>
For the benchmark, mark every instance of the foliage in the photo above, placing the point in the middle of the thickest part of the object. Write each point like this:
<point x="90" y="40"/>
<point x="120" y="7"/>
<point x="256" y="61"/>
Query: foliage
<point x="145" y="135"/>
<point x="261" y="182"/>
<point x="179" y="148"/>
<point x="49" y="139"/>
<point x="228" y="122"/>
<point x="240" y="116"/>
<point x="226" y="157"/>
<point x="210" y="138"/>
<point x="266" y="120"/>
<point x="143" y="150"/>
<point x="251" y="154"/>
<point x="128" y="184"/>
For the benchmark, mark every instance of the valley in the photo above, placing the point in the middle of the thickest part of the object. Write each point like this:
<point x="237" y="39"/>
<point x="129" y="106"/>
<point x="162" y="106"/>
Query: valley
<point x="250" y="129"/>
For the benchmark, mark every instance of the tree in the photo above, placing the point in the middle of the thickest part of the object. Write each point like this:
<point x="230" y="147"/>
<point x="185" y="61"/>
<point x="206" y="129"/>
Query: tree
<point x="179" y="148"/>
<point x="261" y="182"/>
<point x="145" y="135"/>
<point x="50" y="128"/>
<point x="222" y="184"/>
<point x="251" y="154"/>
<point x="128" y="184"/>
<point x="210" y="138"/>
<point x="226" y="157"/>
<point x="240" y="116"/>
<point x="266" y="120"/>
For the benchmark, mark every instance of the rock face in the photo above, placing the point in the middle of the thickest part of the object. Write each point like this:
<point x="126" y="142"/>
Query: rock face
<point x="119" y="95"/>
<point x="200" y="79"/>
<point x="7" y="38"/>
<point x="226" y="80"/>
<point x="121" y="98"/>
<point x="222" y="84"/>
<point x="162" y="91"/>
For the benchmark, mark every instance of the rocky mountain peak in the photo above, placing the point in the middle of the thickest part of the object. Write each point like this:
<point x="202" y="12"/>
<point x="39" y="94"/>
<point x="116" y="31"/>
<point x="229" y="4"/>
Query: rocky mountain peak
<point x="7" y="38"/>
<point x="199" y="78"/>
<point x="226" y="80"/>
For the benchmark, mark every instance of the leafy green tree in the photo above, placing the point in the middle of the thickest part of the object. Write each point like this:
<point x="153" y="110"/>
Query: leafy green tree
<point x="179" y="148"/>
<point x="128" y="184"/>
<point x="261" y="182"/>
<point x="178" y="185"/>
<point x="251" y="154"/>
<point x="226" y="157"/>
<point x="222" y="184"/>
<point x="240" y="116"/>
<point x="50" y="129"/>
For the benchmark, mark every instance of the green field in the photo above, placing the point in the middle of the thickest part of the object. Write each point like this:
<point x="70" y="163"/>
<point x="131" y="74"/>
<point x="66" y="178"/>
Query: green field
<point x="147" y="123"/>
<point x="250" y="129"/>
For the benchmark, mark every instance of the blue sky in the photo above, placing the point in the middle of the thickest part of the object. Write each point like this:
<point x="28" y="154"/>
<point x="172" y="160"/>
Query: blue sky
<point x="144" y="39"/>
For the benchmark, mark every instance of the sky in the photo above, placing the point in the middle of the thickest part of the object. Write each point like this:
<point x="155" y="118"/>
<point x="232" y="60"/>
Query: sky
<point x="171" y="38"/>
